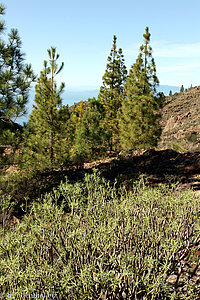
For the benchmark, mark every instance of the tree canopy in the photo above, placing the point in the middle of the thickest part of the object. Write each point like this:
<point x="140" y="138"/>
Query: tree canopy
<point x="48" y="120"/>
<point x="139" y="117"/>
<point x="15" y="76"/>
<point x="111" y="91"/>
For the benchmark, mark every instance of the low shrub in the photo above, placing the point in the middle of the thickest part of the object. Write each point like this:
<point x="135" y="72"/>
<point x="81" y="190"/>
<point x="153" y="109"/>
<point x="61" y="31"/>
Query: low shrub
<point x="111" y="244"/>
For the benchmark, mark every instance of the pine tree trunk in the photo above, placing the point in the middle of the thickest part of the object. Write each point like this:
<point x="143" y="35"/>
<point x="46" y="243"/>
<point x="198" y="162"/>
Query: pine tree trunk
<point x="51" y="150"/>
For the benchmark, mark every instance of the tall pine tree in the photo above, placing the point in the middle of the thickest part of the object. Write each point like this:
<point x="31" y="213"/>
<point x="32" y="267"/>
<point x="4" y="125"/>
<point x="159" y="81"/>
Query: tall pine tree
<point x="111" y="91"/>
<point x="139" y="117"/>
<point x="47" y="141"/>
<point x="15" y="76"/>
<point x="15" y="82"/>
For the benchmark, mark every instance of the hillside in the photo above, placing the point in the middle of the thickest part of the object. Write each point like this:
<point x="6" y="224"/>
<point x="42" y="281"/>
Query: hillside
<point x="181" y="123"/>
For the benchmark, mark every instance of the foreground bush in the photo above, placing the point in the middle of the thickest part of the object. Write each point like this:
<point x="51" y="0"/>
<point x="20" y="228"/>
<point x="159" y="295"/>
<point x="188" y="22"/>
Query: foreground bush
<point x="109" y="245"/>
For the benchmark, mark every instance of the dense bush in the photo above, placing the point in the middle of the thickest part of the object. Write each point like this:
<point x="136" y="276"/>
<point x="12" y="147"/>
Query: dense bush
<point x="111" y="244"/>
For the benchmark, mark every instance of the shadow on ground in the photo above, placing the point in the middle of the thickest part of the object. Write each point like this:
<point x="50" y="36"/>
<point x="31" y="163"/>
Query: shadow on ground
<point x="165" y="166"/>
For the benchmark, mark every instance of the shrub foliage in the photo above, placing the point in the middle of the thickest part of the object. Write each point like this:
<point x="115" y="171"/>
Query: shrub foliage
<point x="93" y="241"/>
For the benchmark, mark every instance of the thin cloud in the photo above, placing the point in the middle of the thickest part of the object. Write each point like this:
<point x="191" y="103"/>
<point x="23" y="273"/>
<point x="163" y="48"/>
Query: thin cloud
<point x="164" y="49"/>
<point x="183" y="67"/>
<point x="169" y="50"/>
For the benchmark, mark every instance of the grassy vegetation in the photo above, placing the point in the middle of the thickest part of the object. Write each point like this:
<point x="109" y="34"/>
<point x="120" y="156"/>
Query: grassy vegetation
<point x="91" y="240"/>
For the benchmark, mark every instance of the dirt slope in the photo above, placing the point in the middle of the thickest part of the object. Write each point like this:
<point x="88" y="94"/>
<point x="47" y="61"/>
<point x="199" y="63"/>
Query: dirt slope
<point x="181" y="122"/>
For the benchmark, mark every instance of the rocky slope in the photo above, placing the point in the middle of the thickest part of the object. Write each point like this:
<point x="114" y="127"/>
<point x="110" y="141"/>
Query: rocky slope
<point x="181" y="122"/>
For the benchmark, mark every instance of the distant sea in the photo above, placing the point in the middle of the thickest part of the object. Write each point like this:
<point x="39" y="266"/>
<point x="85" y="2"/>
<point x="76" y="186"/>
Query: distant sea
<point x="71" y="96"/>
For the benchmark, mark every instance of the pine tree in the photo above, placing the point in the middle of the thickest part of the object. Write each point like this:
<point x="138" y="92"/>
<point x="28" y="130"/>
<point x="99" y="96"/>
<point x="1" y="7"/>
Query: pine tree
<point x="15" y="76"/>
<point x="182" y="89"/>
<point x="139" y="116"/>
<point x="15" y="81"/>
<point x="48" y="140"/>
<point x="111" y="91"/>
<point x="90" y="136"/>
<point x="76" y="114"/>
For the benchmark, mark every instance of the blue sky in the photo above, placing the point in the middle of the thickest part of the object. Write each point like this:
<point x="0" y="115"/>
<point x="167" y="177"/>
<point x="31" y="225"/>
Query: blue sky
<point x="83" y="31"/>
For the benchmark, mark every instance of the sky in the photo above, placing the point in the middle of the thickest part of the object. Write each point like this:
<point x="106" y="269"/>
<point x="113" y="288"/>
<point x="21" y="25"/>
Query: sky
<point x="82" y="32"/>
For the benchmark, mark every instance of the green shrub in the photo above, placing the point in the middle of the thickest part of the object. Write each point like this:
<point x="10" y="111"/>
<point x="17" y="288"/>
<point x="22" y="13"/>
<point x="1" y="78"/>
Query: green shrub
<point x="192" y="137"/>
<point x="111" y="244"/>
